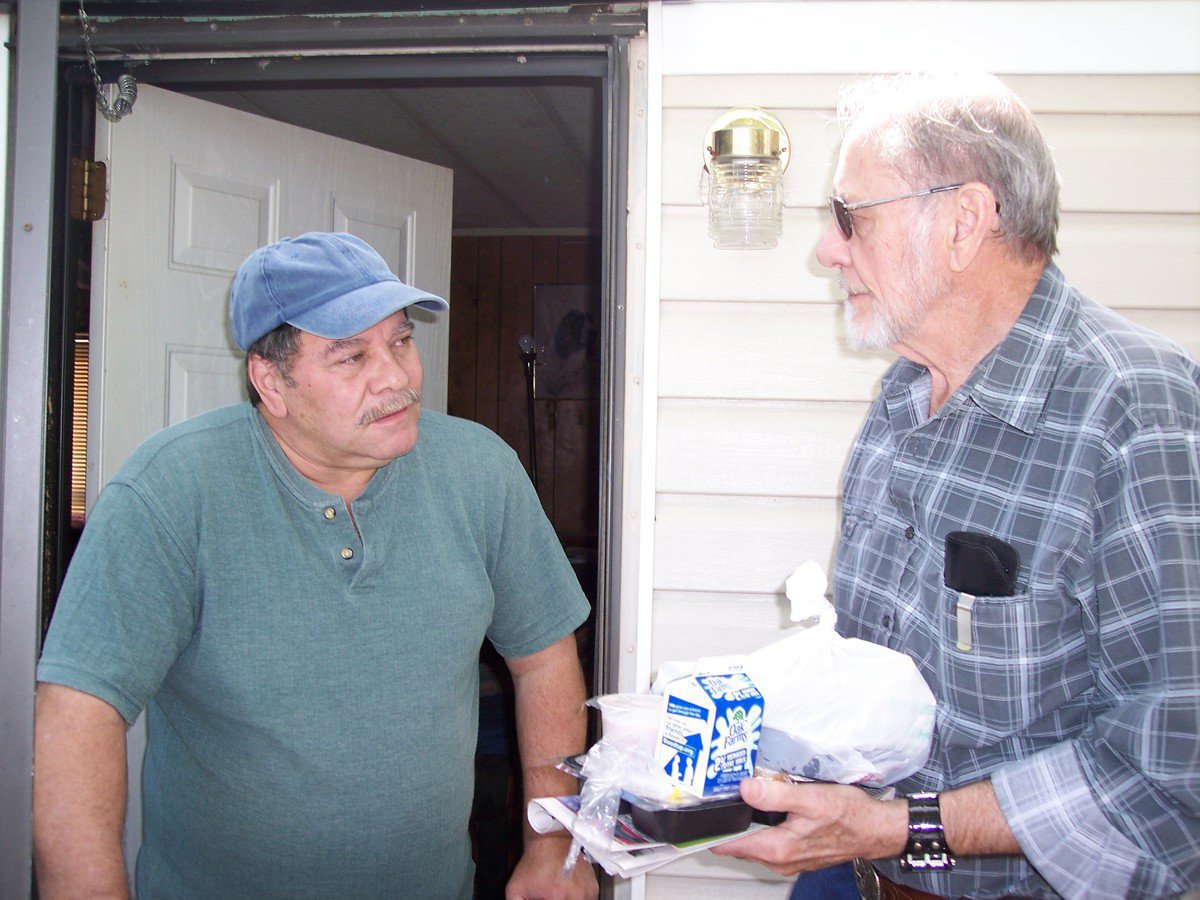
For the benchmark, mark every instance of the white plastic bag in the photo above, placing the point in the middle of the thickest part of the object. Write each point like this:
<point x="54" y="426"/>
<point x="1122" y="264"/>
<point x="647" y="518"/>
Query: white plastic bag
<point x="838" y="709"/>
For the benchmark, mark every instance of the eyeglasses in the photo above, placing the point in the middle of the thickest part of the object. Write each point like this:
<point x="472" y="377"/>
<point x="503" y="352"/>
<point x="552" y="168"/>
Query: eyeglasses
<point x="841" y="209"/>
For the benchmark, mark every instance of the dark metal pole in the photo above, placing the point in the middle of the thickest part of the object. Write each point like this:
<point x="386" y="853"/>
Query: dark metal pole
<point x="529" y="358"/>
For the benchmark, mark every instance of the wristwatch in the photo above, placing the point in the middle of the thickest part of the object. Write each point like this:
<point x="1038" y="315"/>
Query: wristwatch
<point x="927" y="848"/>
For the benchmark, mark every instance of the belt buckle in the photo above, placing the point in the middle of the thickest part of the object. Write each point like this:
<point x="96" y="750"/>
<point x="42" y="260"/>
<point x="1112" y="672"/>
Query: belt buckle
<point x="866" y="879"/>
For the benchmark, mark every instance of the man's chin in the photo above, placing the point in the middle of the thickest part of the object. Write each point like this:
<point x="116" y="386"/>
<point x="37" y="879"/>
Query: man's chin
<point x="392" y="443"/>
<point x="868" y="337"/>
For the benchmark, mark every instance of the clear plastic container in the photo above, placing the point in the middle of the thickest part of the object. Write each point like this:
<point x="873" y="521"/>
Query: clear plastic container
<point x="636" y="715"/>
<point x="745" y="203"/>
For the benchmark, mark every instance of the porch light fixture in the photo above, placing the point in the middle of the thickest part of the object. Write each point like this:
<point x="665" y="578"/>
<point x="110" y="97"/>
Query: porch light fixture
<point x="746" y="154"/>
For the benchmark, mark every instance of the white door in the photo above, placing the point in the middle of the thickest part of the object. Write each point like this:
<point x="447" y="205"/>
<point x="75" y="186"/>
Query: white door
<point x="193" y="189"/>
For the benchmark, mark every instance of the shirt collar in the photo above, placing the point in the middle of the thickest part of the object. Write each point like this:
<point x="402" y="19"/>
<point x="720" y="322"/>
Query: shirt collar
<point x="1013" y="381"/>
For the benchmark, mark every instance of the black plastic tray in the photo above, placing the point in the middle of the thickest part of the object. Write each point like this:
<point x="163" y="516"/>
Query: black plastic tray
<point x="693" y="822"/>
<point x="683" y="822"/>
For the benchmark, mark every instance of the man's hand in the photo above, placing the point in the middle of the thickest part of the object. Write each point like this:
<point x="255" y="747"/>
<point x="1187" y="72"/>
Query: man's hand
<point x="827" y="824"/>
<point x="539" y="873"/>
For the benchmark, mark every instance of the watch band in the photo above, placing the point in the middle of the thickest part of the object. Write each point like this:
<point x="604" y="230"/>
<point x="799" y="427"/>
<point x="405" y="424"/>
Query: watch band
<point x="927" y="848"/>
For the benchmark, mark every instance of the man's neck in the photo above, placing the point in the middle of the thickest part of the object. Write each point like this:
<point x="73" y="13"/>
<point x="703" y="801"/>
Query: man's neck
<point x="342" y="481"/>
<point x="968" y="323"/>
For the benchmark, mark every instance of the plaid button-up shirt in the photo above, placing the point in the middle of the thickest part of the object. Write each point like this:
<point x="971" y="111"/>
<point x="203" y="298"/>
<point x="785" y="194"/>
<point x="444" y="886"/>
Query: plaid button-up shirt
<point x="1076" y="440"/>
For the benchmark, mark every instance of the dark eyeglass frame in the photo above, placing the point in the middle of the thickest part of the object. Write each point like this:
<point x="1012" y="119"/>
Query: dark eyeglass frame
<point x="841" y="209"/>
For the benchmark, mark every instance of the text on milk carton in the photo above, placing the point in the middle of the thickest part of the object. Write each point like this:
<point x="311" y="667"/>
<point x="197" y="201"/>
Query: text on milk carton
<point x="708" y="740"/>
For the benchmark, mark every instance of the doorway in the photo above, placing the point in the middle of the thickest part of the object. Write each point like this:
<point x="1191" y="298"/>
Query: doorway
<point x="505" y="263"/>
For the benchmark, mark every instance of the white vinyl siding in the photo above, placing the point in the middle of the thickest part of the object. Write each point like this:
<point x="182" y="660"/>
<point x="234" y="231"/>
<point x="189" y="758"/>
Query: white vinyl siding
<point x="758" y="398"/>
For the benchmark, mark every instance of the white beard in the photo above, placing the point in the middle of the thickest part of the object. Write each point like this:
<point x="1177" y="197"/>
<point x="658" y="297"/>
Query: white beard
<point x="878" y="326"/>
<point x="868" y="330"/>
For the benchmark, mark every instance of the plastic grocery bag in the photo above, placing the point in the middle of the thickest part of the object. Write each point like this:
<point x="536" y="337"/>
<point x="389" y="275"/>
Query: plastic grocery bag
<point x="838" y="709"/>
<point x="622" y="761"/>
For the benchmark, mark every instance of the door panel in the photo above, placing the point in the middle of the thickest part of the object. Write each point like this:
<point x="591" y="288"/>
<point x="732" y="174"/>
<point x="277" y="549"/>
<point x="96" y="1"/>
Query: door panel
<point x="200" y="379"/>
<point x="216" y="221"/>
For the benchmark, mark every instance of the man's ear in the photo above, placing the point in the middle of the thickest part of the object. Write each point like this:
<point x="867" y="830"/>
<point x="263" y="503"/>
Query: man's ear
<point x="975" y="218"/>
<point x="267" y="380"/>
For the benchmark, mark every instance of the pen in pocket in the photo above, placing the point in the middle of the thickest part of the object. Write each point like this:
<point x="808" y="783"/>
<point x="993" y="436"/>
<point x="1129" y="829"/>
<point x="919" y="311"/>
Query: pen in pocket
<point x="978" y="564"/>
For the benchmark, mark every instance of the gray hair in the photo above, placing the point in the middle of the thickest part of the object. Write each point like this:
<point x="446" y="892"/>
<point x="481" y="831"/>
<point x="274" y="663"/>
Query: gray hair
<point x="279" y="347"/>
<point x="950" y="128"/>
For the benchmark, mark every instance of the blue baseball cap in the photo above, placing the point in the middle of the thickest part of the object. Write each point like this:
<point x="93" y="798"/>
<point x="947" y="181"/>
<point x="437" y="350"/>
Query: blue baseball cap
<point x="328" y="284"/>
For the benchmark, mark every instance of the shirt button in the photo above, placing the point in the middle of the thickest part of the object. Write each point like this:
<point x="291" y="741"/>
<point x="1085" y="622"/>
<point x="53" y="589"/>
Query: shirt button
<point x="330" y="512"/>
<point x="910" y="532"/>
<point x="347" y="553"/>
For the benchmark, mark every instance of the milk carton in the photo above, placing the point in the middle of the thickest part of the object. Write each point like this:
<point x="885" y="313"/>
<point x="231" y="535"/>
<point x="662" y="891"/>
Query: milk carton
<point x="708" y="739"/>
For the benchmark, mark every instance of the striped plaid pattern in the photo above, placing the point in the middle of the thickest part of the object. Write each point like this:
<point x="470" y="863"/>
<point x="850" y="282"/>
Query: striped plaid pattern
<point x="1077" y="440"/>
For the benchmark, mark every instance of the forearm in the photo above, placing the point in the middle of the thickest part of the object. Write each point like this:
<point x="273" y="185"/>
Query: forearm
<point x="829" y="824"/>
<point x="971" y="816"/>
<point x="78" y="795"/>
<point x="1071" y="839"/>
<point x="974" y="822"/>
<point x="551" y="717"/>
<point x="551" y="724"/>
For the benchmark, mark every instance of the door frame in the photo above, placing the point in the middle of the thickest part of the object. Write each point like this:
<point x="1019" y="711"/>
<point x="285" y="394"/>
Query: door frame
<point x="611" y="46"/>
<point x="29" y="239"/>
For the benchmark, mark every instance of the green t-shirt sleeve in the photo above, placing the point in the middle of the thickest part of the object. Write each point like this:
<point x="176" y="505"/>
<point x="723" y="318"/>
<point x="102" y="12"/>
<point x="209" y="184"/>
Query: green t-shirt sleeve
<point x="538" y="599"/>
<point x="127" y="607"/>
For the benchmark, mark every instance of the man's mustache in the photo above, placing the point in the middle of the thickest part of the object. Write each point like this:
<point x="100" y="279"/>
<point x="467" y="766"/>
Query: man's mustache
<point x="398" y="401"/>
<point x="845" y="286"/>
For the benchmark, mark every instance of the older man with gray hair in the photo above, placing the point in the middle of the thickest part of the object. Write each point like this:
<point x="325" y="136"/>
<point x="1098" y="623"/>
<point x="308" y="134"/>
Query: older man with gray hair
<point x="1024" y="418"/>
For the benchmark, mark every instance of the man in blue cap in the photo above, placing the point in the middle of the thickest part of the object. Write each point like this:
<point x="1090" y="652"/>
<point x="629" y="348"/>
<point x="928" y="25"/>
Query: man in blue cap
<point x="296" y="590"/>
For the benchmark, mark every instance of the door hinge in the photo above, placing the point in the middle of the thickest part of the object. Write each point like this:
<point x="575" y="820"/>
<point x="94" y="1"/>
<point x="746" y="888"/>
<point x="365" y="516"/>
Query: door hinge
<point x="89" y="189"/>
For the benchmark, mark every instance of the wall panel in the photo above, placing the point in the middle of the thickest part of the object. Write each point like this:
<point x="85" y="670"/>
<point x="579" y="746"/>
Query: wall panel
<point x="689" y="625"/>
<point x="484" y="295"/>
<point x="787" y="449"/>
<point x="1127" y="163"/>
<point x="1140" y="94"/>
<point x="1111" y="257"/>
<point x="516" y="319"/>
<point x="761" y="351"/>
<point x="1132" y="163"/>
<point x="693" y="269"/>
<point x="739" y="544"/>
<point x="464" y="327"/>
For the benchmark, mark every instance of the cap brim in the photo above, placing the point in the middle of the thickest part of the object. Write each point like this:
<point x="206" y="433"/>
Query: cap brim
<point x="359" y="309"/>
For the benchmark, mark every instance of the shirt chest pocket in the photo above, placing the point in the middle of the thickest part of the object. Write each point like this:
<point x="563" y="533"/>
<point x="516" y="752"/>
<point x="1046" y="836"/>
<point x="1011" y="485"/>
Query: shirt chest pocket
<point x="872" y="556"/>
<point x="1026" y="662"/>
